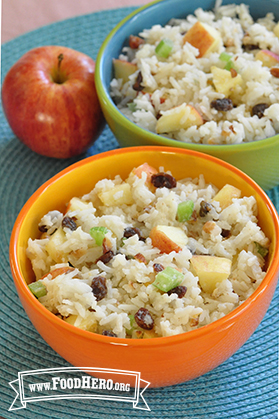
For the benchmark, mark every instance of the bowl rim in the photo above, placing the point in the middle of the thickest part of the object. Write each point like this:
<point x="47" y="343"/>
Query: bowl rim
<point x="105" y="97"/>
<point x="221" y="324"/>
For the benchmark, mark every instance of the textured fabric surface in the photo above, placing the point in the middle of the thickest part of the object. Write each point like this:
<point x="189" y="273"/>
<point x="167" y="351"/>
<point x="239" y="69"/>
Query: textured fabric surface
<point x="244" y="387"/>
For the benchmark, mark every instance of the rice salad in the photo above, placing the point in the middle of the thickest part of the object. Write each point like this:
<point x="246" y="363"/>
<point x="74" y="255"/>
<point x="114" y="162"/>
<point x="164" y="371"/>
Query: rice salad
<point x="211" y="78"/>
<point x="149" y="255"/>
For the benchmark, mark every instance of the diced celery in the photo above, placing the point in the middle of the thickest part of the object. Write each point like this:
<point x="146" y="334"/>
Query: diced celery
<point x="122" y="241"/>
<point x="132" y="106"/>
<point x="132" y="323"/>
<point x="168" y="279"/>
<point x="262" y="251"/>
<point x="38" y="289"/>
<point x="98" y="234"/>
<point x="132" y="320"/>
<point x="224" y="56"/>
<point x="229" y="65"/>
<point x="185" y="210"/>
<point x="164" y="48"/>
<point x="227" y="58"/>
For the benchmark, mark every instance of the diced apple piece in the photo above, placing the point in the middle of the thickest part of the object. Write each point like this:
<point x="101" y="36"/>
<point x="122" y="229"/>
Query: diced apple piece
<point x="226" y="194"/>
<point x="85" y="324"/>
<point x="71" y="319"/>
<point x="148" y="334"/>
<point x="53" y="245"/>
<point x="123" y="69"/>
<point x="118" y="195"/>
<point x="179" y="117"/>
<point x="203" y="37"/>
<point x="276" y="30"/>
<point x="268" y="58"/>
<point x="211" y="270"/>
<point x="149" y="170"/>
<point x="77" y="204"/>
<point x="144" y="334"/>
<point x="224" y="82"/>
<point x="168" y="238"/>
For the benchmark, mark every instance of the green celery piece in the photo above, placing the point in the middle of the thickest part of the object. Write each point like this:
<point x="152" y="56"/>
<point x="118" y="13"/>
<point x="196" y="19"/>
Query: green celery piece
<point x="227" y="58"/>
<point x="132" y="323"/>
<point x="38" y="289"/>
<point x="263" y="251"/>
<point x="229" y="65"/>
<point x="98" y="234"/>
<point x="185" y="210"/>
<point x="168" y="279"/>
<point x="224" y="56"/>
<point x="132" y="106"/>
<point x="122" y="241"/>
<point x="164" y="48"/>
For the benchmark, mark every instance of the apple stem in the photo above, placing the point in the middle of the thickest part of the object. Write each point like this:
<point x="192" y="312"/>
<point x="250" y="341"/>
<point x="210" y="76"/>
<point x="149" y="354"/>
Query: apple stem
<point x="59" y="78"/>
<point x="60" y="59"/>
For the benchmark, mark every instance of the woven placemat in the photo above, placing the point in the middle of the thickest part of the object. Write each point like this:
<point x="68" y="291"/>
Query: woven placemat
<point x="243" y="387"/>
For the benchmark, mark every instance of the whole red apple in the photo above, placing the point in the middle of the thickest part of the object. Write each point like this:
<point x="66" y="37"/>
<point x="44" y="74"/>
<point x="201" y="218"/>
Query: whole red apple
<point x="50" y="101"/>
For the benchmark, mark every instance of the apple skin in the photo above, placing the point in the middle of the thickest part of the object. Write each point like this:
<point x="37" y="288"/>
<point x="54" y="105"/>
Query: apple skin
<point x="53" y="108"/>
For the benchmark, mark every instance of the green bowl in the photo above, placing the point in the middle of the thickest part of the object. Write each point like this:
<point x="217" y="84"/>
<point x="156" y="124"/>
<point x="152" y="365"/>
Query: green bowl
<point x="259" y="159"/>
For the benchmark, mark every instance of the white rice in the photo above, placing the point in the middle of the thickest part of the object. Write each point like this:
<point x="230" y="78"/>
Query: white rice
<point x="129" y="279"/>
<point x="183" y="78"/>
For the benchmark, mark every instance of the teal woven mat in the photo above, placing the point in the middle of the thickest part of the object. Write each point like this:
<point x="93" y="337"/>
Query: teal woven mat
<point x="245" y="386"/>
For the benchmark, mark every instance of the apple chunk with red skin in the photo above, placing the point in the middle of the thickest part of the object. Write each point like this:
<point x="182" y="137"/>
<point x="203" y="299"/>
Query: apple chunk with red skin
<point x="50" y="101"/>
<point x="268" y="58"/>
<point x="203" y="37"/>
<point x="180" y="117"/>
<point x="168" y="238"/>
<point x="149" y="171"/>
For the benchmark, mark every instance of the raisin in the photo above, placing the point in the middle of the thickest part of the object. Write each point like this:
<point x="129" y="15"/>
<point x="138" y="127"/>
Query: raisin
<point x="135" y="41"/>
<point x="131" y="231"/>
<point x="180" y="291"/>
<point x="259" y="109"/>
<point x="193" y="218"/>
<point x="205" y="207"/>
<point x="250" y="47"/>
<point x="42" y="228"/>
<point x="99" y="287"/>
<point x="225" y="233"/>
<point x="222" y="104"/>
<point x="158" y="267"/>
<point x="274" y="71"/>
<point x="140" y="258"/>
<point x="69" y="222"/>
<point x="144" y="319"/>
<point x="137" y="86"/>
<point x="163" y="180"/>
<point x="109" y="333"/>
<point x="106" y="257"/>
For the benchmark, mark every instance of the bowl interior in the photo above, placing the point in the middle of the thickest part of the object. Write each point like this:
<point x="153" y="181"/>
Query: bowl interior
<point x="160" y="12"/>
<point x="81" y="177"/>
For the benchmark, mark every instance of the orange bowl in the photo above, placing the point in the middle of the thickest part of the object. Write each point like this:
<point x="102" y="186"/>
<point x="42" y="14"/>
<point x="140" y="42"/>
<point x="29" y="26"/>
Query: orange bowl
<point x="161" y="361"/>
